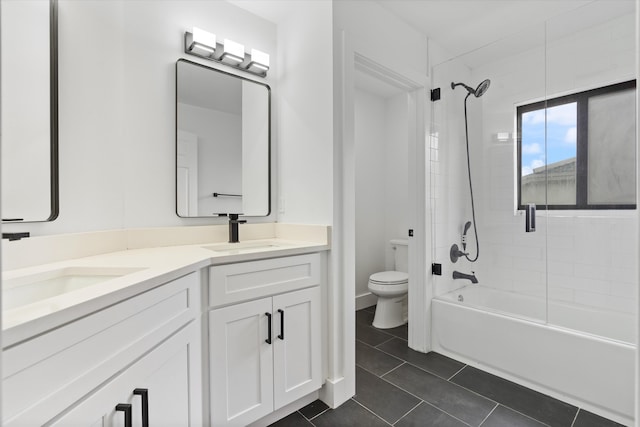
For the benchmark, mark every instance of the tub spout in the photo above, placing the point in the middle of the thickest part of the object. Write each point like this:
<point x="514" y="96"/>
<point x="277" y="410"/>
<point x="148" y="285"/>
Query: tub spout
<point x="471" y="277"/>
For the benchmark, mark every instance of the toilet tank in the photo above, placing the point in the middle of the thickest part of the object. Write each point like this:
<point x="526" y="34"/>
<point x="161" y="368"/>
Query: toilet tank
<point x="400" y="254"/>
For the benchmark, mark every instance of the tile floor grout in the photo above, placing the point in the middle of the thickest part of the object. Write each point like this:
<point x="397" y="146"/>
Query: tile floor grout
<point x="457" y="372"/>
<point x="438" y="366"/>
<point x="371" y="411"/>
<point x="489" y="414"/>
<point x="418" y="397"/>
<point x="408" y="412"/>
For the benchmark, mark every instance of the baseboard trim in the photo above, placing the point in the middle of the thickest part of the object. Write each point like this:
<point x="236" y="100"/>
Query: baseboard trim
<point x="286" y="410"/>
<point x="366" y="300"/>
<point x="335" y="393"/>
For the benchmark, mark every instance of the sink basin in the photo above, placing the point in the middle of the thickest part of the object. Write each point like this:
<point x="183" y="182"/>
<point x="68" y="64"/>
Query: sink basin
<point x="244" y="247"/>
<point x="20" y="291"/>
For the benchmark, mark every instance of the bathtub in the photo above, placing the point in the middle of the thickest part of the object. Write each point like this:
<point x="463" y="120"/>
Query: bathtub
<point x="473" y="325"/>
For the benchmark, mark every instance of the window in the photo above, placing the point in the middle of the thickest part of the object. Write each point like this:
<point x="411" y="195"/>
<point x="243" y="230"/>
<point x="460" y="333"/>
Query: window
<point x="579" y="151"/>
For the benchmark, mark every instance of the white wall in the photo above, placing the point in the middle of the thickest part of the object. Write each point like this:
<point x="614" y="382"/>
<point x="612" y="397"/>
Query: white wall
<point x="305" y="113"/>
<point x="395" y="198"/>
<point x="381" y="162"/>
<point x="154" y="40"/>
<point x="117" y="107"/>
<point x="370" y="176"/>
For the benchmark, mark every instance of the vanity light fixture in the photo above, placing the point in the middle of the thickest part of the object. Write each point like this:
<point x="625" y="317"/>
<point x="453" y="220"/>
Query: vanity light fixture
<point x="232" y="52"/>
<point x="259" y="61"/>
<point x="204" y="44"/>
<point x="203" y="40"/>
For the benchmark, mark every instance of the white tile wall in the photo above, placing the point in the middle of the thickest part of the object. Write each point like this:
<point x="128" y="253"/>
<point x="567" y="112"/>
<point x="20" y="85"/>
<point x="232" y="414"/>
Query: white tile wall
<point x="587" y="258"/>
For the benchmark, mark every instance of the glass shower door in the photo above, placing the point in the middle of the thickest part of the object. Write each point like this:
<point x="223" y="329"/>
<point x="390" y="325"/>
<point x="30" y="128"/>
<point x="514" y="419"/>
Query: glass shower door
<point x="511" y="263"/>
<point x="592" y="228"/>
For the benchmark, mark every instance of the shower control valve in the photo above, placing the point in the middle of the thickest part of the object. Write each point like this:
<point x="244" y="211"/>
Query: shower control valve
<point x="456" y="253"/>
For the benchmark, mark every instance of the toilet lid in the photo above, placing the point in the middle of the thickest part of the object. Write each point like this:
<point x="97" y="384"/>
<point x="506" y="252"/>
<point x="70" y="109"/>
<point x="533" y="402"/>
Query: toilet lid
<point x="389" y="277"/>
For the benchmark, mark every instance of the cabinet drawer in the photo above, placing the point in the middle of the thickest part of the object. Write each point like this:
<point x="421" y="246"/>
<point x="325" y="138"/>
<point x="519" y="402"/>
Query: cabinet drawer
<point x="233" y="283"/>
<point x="169" y="372"/>
<point x="43" y="376"/>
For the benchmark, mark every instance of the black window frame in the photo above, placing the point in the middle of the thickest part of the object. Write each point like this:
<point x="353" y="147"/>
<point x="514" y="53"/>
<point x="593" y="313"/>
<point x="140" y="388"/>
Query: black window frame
<point x="582" y="122"/>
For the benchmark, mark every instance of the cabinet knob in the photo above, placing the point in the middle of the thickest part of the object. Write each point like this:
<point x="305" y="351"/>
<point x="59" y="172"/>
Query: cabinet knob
<point x="144" y="394"/>
<point x="268" y="340"/>
<point x="126" y="408"/>
<point x="281" y="336"/>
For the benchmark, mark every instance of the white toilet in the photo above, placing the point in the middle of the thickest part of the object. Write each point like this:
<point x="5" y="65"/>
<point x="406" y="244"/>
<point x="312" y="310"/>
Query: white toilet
<point x="392" y="287"/>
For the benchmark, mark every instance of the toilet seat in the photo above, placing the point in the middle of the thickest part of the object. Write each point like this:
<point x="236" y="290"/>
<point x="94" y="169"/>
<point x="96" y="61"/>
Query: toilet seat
<point x="389" y="278"/>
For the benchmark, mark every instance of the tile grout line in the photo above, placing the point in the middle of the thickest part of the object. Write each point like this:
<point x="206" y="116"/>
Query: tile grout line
<point x="384" y="342"/>
<point x="416" y="366"/>
<point x="525" y="415"/>
<point x="369" y="410"/>
<point x="380" y="376"/>
<point x="413" y="364"/>
<point x="457" y="385"/>
<point x="578" y="409"/>
<point x="509" y="407"/>
<point x="393" y="369"/>
<point x="489" y="414"/>
<point x="421" y="399"/>
<point x="315" y="416"/>
<point x="408" y="412"/>
<point x="445" y="412"/>
<point x="575" y="417"/>
<point x="457" y="372"/>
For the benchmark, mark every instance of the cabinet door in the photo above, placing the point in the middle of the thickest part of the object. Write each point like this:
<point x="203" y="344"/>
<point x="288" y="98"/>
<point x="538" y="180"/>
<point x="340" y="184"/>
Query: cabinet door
<point x="297" y="353"/>
<point x="241" y="363"/>
<point x="171" y="375"/>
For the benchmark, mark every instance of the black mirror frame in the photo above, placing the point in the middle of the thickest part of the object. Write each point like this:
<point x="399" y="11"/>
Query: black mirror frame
<point x="269" y="203"/>
<point x="53" y="60"/>
<point x="53" y="119"/>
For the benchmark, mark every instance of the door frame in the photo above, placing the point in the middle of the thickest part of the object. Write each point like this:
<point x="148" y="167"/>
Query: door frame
<point x="349" y="55"/>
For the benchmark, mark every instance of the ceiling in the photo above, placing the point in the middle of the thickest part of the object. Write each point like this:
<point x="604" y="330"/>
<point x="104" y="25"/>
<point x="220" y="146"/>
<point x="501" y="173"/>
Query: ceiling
<point x="462" y="26"/>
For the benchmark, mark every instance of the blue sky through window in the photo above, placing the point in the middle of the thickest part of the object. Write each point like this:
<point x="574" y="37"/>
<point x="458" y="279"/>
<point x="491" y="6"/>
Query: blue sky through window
<point x="560" y="138"/>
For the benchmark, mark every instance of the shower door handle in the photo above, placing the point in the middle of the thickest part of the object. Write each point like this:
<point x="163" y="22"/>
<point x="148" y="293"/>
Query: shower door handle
<point x="530" y="218"/>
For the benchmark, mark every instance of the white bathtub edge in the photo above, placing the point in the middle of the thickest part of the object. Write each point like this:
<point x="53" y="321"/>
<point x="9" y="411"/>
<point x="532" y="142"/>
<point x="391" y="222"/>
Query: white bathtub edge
<point x="493" y="360"/>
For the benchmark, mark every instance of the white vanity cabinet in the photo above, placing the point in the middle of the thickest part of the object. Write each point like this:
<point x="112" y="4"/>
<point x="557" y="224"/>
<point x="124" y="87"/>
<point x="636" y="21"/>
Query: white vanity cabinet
<point x="78" y="373"/>
<point x="154" y="391"/>
<point x="264" y="353"/>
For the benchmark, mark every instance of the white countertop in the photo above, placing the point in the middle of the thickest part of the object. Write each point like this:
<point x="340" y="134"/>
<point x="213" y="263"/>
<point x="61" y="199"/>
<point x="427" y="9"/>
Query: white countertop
<point x="151" y="267"/>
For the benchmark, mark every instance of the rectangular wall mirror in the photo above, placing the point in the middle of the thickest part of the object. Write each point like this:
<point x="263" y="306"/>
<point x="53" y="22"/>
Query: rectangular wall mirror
<point x="223" y="137"/>
<point x="29" y="85"/>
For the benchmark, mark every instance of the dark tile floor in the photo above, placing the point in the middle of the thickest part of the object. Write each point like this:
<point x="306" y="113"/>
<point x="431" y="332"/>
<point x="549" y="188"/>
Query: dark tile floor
<point x="401" y="387"/>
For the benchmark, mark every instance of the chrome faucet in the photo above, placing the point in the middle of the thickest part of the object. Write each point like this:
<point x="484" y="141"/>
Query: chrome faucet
<point x="234" y="235"/>
<point x="471" y="277"/>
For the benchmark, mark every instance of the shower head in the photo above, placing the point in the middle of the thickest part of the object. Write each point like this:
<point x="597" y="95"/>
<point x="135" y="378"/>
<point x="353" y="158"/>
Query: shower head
<point x="482" y="88"/>
<point x="477" y="92"/>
